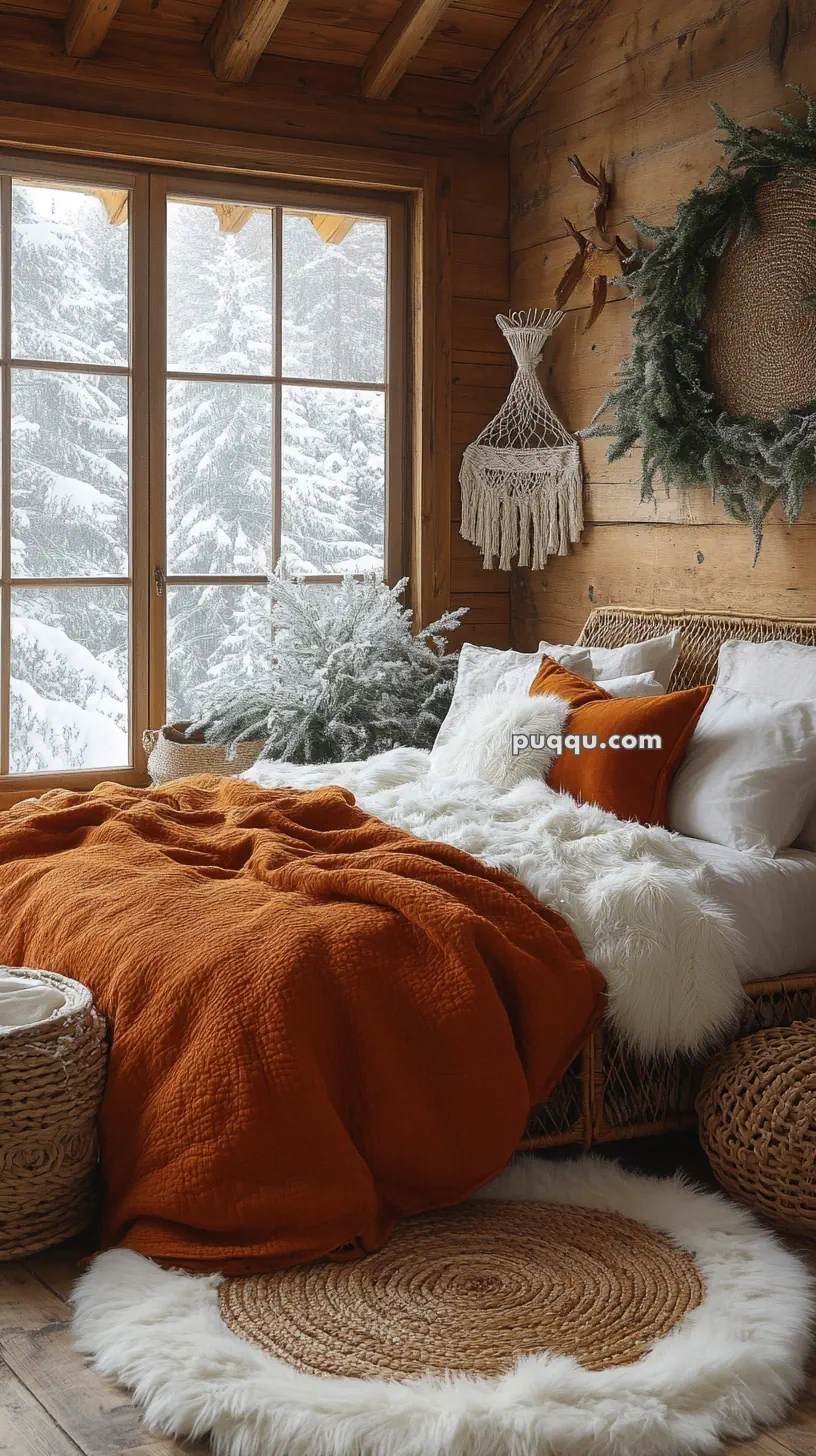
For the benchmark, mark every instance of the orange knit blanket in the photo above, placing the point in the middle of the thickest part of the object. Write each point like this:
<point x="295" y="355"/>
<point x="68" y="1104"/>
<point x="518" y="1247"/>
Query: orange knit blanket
<point x="319" y="1024"/>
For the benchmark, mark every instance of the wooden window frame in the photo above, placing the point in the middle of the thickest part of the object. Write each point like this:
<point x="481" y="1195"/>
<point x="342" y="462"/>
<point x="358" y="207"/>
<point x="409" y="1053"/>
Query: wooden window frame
<point x="15" y="786"/>
<point x="149" y="187"/>
<point x="174" y="185"/>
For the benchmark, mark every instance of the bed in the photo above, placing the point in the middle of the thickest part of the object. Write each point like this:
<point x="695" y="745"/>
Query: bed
<point x="610" y="1092"/>
<point x="389" y="961"/>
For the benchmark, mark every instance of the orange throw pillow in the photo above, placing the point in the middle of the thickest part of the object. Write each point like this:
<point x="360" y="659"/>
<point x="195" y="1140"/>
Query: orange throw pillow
<point x="632" y="782"/>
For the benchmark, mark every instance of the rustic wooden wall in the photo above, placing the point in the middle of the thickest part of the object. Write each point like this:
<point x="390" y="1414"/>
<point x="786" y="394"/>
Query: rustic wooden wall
<point x="136" y="77"/>
<point x="637" y="94"/>
<point x="481" y="374"/>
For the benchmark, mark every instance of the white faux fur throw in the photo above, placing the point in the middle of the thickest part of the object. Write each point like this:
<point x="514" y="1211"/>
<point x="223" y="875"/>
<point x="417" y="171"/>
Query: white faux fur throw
<point x="636" y="898"/>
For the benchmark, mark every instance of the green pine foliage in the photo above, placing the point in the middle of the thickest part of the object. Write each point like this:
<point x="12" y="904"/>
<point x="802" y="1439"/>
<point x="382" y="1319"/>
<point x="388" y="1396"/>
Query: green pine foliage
<point x="662" y="400"/>
<point x="349" y="678"/>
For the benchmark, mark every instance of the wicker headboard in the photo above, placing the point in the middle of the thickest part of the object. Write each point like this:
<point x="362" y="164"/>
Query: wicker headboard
<point x="703" y="635"/>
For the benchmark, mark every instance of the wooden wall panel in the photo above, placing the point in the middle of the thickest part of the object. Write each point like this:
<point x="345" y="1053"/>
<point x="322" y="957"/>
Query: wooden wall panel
<point x="637" y="94"/>
<point x="707" y="567"/>
<point x="481" y="372"/>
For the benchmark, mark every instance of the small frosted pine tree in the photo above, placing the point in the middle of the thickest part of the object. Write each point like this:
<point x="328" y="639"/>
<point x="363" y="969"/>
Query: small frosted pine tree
<point x="348" y="679"/>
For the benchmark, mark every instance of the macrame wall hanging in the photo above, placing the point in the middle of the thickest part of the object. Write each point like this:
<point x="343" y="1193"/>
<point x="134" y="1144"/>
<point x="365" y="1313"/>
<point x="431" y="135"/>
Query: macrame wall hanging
<point x="521" y="478"/>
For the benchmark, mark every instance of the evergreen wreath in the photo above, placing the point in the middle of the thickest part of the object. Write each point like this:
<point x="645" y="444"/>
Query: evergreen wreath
<point x="662" y="399"/>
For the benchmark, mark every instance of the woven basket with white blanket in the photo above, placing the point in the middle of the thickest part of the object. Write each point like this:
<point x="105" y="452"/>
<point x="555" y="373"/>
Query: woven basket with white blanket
<point x="53" y="1059"/>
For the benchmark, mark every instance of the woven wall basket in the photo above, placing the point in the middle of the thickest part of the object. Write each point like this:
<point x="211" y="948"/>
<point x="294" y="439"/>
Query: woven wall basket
<point x="761" y="339"/>
<point x="52" y="1076"/>
<point x="170" y="755"/>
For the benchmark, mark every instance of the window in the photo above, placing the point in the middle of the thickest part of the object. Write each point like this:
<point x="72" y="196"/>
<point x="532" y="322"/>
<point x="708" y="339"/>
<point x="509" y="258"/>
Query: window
<point x="198" y="381"/>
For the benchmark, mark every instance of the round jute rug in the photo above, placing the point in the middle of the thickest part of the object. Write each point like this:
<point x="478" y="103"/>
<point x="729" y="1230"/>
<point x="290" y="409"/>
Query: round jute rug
<point x="519" y="1321"/>
<point x="470" y="1290"/>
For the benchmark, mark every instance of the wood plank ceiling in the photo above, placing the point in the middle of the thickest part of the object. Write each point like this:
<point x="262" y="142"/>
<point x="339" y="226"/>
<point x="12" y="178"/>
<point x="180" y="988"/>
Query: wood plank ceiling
<point x="503" y="51"/>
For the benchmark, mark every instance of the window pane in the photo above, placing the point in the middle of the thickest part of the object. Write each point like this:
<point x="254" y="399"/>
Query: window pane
<point x="332" y="480"/>
<point x="215" y="635"/>
<point x="334" y="300"/>
<point x="219" y="288"/>
<point x="219" y="478"/>
<point x="69" y="474"/>
<point x="69" y="275"/>
<point x="69" y="675"/>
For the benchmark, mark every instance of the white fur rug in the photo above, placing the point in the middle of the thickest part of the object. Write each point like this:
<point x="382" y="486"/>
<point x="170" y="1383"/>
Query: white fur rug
<point x="638" y="900"/>
<point x="730" y="1366"/>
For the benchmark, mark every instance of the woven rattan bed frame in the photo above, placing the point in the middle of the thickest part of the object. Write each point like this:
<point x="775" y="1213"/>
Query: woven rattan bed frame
<point x="609" y="1092"/>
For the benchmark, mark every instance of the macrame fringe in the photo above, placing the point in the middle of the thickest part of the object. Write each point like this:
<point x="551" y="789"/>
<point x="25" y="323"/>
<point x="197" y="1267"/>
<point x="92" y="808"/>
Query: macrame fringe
<point x="518" y="514"/>
<point x="521" y="477"/>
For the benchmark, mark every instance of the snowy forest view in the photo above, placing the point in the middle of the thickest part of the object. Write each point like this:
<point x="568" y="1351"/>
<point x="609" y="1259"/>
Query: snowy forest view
<point x="70" y="488"/>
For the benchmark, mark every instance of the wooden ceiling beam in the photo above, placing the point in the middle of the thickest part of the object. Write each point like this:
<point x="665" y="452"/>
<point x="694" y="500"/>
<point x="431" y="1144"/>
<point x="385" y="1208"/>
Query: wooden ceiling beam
<point x="86" y="25"/>
<point x="399" y="43"/>
<point x="232" y="216"/>
<point x="115" y="204"/>
<point x="239" y="35"/>
<point x="330" y="226"/>
<point x="531" y="54"/>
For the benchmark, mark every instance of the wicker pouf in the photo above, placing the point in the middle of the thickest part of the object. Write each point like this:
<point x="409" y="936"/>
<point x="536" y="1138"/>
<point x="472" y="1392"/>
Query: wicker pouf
<point x="757" y="1116"/>
<point x="52" y="1075"/>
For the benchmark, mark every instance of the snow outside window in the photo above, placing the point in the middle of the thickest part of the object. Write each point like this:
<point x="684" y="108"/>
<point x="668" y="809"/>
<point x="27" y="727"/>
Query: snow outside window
<point x="182" y="408"/>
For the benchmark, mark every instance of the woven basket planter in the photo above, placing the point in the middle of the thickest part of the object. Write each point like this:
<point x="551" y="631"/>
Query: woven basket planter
<point x="171" y="755"/>
<point x="757" y="1118"/>
<point x="52" y="1076"/>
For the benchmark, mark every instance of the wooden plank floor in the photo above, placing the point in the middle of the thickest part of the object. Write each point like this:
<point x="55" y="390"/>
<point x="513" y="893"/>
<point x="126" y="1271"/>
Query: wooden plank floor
<point x="51" y="1404"/>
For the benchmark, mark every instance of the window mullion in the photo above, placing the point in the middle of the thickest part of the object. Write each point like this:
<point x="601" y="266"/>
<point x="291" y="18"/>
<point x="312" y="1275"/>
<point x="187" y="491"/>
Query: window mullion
<point x="58" y="366"/>
<point x="139" y="474"/>
<point x="396" y="445"/>
<point x="157" y="394"/>
<point x="5" y="471"/>
<point x="214" y="579"/>
<point x="277" y="262"/>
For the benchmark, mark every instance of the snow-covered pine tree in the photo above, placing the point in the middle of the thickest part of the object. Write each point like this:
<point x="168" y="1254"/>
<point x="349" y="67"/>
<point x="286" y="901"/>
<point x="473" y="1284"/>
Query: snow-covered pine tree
<point x="334" y="302"/>
<point x="349" y="678"/>
<point x="69" y="278"/>
<point x="219" y="440"/>
<point x="333" y="439"/>
<point x="331" y="482"/>
<point x="69" y="439"/>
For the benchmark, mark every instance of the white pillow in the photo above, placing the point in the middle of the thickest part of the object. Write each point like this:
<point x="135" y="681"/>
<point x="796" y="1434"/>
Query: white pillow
<point x="639" y="685"/>
<point x="487" y="669"/>
<point x="775" y="669"/>
<point x="657" y="655"/>
<point x="740" y="783"/>
<point x="482" y="745"/>
<point x="768" y="669"/>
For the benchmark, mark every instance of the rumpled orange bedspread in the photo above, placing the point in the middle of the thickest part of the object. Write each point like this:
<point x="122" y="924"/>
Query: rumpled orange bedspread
<point x="319" y="1024"/>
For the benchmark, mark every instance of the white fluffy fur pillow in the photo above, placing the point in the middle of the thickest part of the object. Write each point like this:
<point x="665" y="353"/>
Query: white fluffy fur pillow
<point x="485" y="670"/>
<point x="482" y="746"/>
